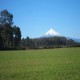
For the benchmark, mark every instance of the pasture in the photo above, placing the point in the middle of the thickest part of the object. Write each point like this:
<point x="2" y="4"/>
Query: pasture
<point x="45" y="64"/>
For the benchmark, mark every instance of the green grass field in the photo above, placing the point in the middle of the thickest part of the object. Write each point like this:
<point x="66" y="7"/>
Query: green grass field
<point x="46" y="64"/>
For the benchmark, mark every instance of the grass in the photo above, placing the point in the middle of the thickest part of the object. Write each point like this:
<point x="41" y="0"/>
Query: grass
<point x="46" y="64"/>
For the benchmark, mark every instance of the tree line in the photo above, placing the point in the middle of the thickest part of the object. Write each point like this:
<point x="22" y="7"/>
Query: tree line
<point x="48" y="42"/>
<point x="10" y="35"/>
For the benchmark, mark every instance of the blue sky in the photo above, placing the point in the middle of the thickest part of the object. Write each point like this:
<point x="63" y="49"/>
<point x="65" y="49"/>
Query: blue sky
<point x="35" y="17"/>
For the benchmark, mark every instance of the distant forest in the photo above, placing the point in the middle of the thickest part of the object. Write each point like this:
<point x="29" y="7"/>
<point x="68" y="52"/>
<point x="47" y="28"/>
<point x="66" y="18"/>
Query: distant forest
<point x="48" y="42"/>
<point x="10" y="37"/>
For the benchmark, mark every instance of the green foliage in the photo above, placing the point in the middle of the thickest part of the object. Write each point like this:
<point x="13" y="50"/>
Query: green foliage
<point x="27" y="43"/>
<point x="6" y="17"/>
<point x="46" y="64"/>
<point x="16" y="35"/>
<point x="7" y="31"/>
<point x="49" y="42"/>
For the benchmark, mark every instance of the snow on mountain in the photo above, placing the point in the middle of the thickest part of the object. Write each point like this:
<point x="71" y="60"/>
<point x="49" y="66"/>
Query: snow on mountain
<point x="51" y="33"/>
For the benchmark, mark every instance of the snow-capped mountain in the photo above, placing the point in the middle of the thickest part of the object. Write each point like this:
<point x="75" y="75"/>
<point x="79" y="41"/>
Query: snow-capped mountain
<point x="51" y="33"/>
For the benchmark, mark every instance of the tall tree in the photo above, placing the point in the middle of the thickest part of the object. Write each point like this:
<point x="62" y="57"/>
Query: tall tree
<point x="9" y="36"/>
<point x="6" y="17"/>
<point x="1" y="39"/>
<point x="16" y="36"/>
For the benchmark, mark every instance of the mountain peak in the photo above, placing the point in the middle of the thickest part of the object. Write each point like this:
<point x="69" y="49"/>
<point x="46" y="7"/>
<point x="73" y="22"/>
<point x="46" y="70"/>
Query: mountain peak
<point x="52" y="32"/>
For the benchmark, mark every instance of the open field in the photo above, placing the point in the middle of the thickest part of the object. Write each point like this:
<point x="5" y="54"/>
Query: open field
<point x="46" y="64"/>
